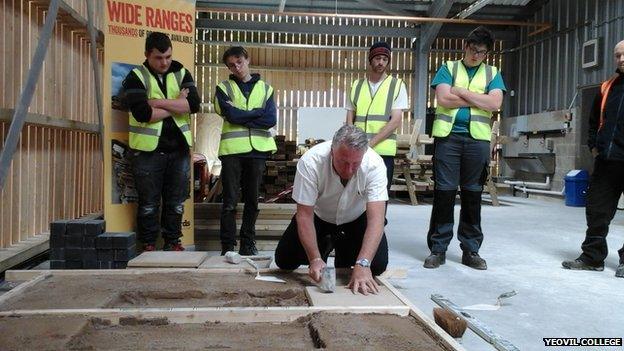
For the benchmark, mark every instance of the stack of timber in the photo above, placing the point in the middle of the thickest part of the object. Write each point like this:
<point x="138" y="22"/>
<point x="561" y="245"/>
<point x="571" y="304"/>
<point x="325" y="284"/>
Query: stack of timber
<point x="278" y="176"/>
<point x="280" y="170"/>
<point x="286" y="149"/>
<point x="270" y="225"/>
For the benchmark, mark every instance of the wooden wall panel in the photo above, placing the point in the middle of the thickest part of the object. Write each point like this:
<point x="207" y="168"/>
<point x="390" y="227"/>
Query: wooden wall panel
<point x="316" y="73"/>
<point x="56" y="173"/>
<point x="65" y="87"/>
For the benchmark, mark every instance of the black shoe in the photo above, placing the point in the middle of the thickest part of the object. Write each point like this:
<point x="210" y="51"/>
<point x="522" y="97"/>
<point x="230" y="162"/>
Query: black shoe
<point x="435" y="260"/>
<point x="580" y="265"/>
<point x="619" y="271"/>
<point x="473" y="260"/>
<point x="226" y="248"/>
<point x="248" y="248"/>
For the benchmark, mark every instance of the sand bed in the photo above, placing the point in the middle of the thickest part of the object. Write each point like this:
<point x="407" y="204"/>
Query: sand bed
<point x="320" y="330"/>
<point x="159" y="290"/>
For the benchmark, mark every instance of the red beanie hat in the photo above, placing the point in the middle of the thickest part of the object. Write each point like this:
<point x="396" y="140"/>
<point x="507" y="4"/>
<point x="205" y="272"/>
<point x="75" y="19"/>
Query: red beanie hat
<point x="380" y="48"/>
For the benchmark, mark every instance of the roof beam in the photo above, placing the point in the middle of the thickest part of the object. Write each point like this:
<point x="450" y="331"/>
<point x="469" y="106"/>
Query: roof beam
<point x="384" y="7"/>
<point x="283" y="27"/>
<point x="430" y="31"/>
<point x="474" y="7"/>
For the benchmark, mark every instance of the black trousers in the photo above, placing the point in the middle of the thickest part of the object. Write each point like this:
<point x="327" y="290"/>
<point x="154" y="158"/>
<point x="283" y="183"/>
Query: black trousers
<point x="236" y="173"/>
<point x="605" y="187"/>
<point x="389" y="162"/>
<point x="346" y="239"/>
<point x="161" y="177"/>
<point x="458" y="160"/>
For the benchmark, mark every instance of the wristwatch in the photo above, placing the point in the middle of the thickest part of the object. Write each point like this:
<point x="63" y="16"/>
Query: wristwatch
<point x="363" y="263"/>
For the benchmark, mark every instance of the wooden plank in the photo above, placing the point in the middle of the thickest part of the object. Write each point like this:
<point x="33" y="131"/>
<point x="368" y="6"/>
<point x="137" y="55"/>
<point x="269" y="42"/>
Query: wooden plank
<point x="410" y="186"/>
<point x="23" y="251"/>
<point x="23" y="287"/>
<point x="211" y="314"/>
<point x="23" y="275"/>
<point x="262" y="261"/>
<point x="168" y="259"/>
<point x="425" y="321"/>
<point x="215" y="244"/>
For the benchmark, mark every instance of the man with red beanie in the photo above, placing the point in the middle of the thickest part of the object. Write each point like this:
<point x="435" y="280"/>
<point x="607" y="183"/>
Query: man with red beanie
<point x="376" y="105"/>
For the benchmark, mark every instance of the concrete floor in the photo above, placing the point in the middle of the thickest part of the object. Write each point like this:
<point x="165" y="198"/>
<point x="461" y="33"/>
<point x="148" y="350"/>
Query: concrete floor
<point x="525" y="242"/>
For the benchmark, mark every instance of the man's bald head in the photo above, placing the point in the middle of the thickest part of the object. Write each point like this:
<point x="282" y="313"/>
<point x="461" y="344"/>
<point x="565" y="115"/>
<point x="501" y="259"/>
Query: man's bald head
<point x="618" y="54"/>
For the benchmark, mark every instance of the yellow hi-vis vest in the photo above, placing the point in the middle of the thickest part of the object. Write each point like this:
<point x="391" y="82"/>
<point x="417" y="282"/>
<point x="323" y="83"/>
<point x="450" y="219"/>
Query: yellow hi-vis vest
<point x="479" y="119"/>
<point x="372" y="112"/>
<point x="144" y="135"/>
<point x="236" y="138"/>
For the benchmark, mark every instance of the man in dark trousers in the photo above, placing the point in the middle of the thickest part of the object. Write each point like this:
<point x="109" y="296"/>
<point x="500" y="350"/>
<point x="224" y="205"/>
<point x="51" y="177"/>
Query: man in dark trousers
<point x="606" y="142"/>
<point x="340" y="190"/>
<point x="161" y="95"/>
<point x="467" y="92"/>
<point x="246" y="104"/>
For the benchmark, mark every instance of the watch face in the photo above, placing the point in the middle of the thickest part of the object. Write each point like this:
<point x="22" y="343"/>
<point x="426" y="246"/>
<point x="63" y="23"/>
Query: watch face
<point x="363" y="262"/>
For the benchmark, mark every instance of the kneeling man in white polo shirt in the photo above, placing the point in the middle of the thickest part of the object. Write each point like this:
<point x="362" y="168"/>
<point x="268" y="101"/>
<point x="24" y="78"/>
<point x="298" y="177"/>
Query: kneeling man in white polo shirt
<point x="340" y="190"/>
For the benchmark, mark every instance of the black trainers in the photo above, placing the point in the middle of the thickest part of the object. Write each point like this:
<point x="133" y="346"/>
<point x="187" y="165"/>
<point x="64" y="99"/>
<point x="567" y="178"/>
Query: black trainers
<point x="226" y="248"/>
<point x="619" y="271"/>
<point x="580" y="265"/>
<point x="248" y="248"/>
<point x="473" y="260"/>
<point x="435" y="260"/>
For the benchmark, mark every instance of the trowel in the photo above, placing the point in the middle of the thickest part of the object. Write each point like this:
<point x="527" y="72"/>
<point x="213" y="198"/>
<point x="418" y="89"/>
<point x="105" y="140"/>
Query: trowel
<point x="235" y="258"/>
<point x="495" y="307"/>
<point x="266" y="278"/>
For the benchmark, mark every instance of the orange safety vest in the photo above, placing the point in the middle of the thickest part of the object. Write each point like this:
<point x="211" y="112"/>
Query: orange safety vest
<point x="604" y="90"/>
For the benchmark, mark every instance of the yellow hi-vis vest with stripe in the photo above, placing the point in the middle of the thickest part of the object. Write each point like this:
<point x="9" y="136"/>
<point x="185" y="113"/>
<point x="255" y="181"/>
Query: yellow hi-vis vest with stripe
<point x="144" y="135"/>
<point x="372" y="112"/>
<point x="236" y="138"/>
<point x="480" y="128"/>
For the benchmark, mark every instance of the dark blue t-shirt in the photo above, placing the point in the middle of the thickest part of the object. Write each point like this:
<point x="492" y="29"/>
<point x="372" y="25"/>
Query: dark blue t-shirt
<point x="462" y="119"/>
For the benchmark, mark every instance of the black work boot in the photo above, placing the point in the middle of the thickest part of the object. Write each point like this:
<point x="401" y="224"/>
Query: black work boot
<point x="248" y="248"/>
<point x="619" y="271"/>
<point x="580" y="265"/>
<point x="435" y="260"/>
<point x="473" y="260"/>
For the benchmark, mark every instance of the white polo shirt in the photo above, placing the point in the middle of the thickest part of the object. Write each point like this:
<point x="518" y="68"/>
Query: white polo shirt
<point x="317" y="184"/>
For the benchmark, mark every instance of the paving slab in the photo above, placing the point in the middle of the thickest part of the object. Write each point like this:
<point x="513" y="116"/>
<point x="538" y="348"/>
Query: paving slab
<point x="177" y="259"/>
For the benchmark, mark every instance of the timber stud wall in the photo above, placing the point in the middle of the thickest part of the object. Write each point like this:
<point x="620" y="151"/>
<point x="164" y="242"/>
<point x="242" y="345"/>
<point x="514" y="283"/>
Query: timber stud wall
<point x="56" y="172"/>
<point x="306" y="70"/>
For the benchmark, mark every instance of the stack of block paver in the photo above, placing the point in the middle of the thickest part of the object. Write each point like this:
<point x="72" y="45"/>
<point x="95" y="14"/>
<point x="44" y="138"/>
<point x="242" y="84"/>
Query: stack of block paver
<point x="114" y="250"/>
<point x="83" y="244"/>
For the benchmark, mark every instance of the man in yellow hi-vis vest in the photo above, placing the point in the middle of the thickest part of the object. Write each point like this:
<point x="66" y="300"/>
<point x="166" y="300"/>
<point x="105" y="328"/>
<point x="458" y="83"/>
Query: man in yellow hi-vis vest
<point x="161" y="95"/>
<point x="246" y="104"/>
<point x="376" y="105"/>
<point x="467" y="91"/>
